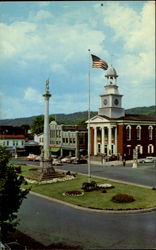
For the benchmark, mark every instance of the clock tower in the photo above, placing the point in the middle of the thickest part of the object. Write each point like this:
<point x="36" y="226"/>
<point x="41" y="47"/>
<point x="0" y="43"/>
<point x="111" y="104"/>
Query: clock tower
<point x="111" y="105"/>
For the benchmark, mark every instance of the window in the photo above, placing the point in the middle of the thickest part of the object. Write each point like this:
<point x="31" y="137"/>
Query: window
<point x="139" y="149"/>
<point x="7" y="143"/>
<point x="150" y="132"/>
<point x="128" y="133"/>
<point x="99" y="147"/>
<point x="150" y="149"/>
<point x="129" y="149"/>
<point x="138" y="128"/>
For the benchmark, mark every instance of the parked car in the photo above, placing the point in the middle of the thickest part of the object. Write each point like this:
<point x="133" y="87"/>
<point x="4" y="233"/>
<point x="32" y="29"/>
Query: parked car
<point x="79" y="161"/>
<point x="32" y="157"/>
<point x="68" y="159"/>
<point x="57" y="162"/>
<point x="148" y="159"/>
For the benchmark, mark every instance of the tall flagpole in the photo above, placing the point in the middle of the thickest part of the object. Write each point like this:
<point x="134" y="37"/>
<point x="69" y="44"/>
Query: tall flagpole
<point x="89" y="172"/>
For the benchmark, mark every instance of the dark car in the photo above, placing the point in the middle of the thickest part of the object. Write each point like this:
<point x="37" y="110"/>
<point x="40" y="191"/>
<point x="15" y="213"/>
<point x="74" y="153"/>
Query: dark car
<point x="80" y="161"/>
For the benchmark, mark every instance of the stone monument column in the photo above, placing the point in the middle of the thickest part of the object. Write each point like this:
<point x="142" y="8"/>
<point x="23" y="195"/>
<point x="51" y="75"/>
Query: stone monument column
<point x="46" y="96"/>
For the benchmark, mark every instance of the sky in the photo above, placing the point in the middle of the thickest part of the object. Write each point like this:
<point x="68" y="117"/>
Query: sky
<point x="41" y="40"/>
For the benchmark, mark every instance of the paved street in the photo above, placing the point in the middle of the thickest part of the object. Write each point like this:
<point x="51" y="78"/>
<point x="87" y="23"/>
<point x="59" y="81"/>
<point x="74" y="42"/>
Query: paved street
<point x="50" y="222"/>
<point x="144" y="174"/>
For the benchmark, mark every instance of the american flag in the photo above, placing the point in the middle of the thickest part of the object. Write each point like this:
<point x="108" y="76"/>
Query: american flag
<point x="99" y="63"/>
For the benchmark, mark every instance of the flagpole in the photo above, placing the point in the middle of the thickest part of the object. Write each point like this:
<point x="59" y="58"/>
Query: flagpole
<point x="89" y="170"/>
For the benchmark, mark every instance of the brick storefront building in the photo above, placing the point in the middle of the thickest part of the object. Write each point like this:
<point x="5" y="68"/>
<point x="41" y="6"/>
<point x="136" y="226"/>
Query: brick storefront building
<point x="112" y="132"/>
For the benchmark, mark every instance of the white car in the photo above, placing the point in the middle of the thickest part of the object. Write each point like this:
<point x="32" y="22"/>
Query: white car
<point x="66" y="160"/>
<point x="148" y="159"/>
<point x="56" y="162"/>
<point x="32" y="157"/>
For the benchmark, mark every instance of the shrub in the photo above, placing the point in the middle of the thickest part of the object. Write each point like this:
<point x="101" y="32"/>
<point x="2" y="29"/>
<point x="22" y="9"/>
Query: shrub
<point x="103" y="191"/>
<point x="18" y="169"/>
<point x="68" y="173"/>
<point x="122" y="198"/>
<point x="87" y="186"/>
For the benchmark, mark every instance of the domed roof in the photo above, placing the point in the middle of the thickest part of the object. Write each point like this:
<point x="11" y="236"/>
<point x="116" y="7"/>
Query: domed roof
<point x="111" y="72"/>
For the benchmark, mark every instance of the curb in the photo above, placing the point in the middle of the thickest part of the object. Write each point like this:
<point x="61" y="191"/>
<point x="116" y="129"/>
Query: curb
<point x="99" y="211"/>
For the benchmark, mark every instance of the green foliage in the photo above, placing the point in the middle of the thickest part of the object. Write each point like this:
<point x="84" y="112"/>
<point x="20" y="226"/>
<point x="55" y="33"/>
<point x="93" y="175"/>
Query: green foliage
<point x="89" y="186"/>
<point x="122" y="198"/>
<point x="25" y="127"/>
<point x="11" y="194"/>
<point x="4" y="158"/>
<point x="38" y="124"/>
<point x="82" y="122"/>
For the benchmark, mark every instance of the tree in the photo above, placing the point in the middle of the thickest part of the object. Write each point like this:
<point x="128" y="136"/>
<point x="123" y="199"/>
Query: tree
<point x="38" y="124"/>
<point x="82" y="122"/>
<point x="25" y="127"/>
<point x="11" y="194"/>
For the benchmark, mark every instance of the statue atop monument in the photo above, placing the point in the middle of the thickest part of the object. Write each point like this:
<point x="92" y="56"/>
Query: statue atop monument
<point x="47" y="85"/>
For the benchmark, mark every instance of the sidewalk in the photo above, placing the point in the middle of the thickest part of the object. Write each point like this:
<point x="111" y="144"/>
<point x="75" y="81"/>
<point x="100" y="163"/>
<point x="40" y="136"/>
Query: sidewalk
<point x="111" y="163"/>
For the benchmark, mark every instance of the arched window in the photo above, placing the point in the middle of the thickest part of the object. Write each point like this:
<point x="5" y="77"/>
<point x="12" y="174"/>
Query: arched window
<point x="150" y="149"/>
<point x="128" y="133"/>
<point x="138" y="128"/>
<point x="150" y="132"/>
<point x="139" y="149"/>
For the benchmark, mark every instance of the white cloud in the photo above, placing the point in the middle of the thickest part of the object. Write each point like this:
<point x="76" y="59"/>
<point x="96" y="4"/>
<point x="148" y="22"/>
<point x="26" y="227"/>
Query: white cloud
<point x="41" y="15"/>
<point x="137" y="33"/>
<point x="32" y="95"/>
<point x="69" y="103"/>
<point x="41" y="46"/>
<point x="32" y="41"/>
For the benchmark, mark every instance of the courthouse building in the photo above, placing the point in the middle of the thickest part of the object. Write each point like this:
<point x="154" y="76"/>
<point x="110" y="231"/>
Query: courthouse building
<point x="112" y="132"/>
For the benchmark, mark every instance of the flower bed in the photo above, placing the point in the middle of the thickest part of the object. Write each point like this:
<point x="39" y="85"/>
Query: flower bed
<point x="106" y="185"/>
<point x="74" y="193"/>
<point x="54" y="180"/>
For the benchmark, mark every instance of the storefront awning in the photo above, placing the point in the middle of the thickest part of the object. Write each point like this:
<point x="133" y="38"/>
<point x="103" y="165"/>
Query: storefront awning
<point x="52" y="149"/>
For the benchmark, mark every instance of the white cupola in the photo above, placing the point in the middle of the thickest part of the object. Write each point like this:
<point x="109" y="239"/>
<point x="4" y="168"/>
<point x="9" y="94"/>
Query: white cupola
<point x="111" y="105"/>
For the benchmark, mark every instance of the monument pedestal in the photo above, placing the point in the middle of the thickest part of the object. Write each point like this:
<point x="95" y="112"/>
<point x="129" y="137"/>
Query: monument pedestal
<point x="135" y="164"/>
<point x="44" y="172"/>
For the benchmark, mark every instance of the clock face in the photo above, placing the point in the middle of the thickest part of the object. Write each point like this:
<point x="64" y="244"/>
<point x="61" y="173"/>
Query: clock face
<point x="116" y="102"/>
<point x="105" y="101"/>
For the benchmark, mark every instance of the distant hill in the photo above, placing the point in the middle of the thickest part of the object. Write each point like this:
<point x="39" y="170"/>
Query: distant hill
<point x="61" y="118"/>
<point x="142" y="111"/>
<point x="75" y="117"/>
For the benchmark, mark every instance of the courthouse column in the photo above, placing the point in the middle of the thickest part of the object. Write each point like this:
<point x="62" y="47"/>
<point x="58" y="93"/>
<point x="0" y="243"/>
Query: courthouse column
<point x="109" y="140"/>
<point x="103" y="140"/>
<point x="95" y="141"/>
<point x="115" y="151"/>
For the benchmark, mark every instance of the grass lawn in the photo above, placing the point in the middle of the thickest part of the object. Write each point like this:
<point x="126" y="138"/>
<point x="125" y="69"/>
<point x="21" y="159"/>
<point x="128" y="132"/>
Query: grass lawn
<point x="144" y="197"/>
